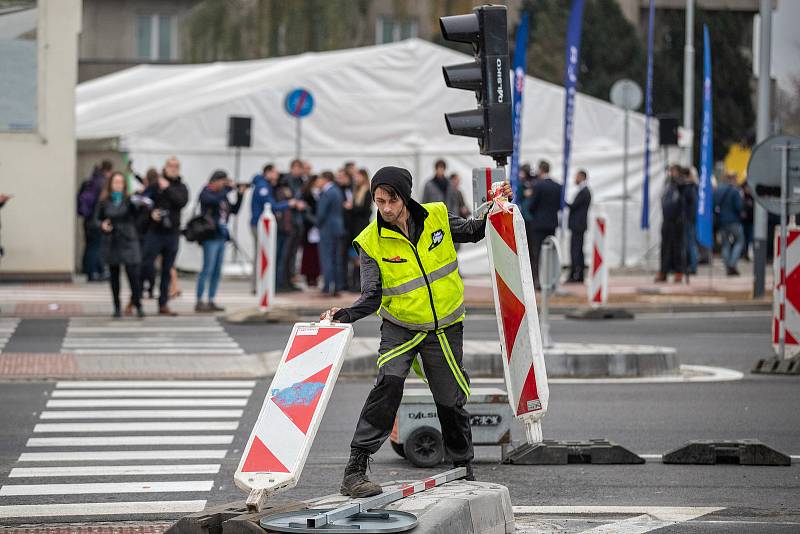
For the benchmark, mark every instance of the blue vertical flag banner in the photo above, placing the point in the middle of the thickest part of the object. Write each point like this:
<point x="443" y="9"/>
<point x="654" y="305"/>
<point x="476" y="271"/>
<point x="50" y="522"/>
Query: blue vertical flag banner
<point x="648" y="99"/>
<point x="705" y="202"/>
<point x="519" y="88"/>
<point x="570" y="80"/>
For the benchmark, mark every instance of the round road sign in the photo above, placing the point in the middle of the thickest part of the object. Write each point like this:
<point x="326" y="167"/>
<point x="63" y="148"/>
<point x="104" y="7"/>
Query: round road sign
<point x="626" y="94"/>
<point x="764" y="173"/>
<point x="299" y="103"/>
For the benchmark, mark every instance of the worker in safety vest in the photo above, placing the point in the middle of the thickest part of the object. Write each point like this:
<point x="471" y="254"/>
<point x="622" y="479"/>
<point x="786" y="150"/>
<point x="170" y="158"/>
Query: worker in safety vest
<point x="409" y="275"/>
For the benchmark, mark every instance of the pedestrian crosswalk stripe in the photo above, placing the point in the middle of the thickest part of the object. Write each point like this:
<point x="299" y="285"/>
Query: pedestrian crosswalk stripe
<point x="112" y="441"/>
<point x="101" y="508"/>
<point x="7" y="327"/>
<point x="94" y="437"/>
<point x="141" y="414"/>
<point x="130" y="384"/>
<point x="116" y="393"/>
<point x="166" y="335"/>
<point x="141" y="403"/>
<point x="106" y="487"/>
<point x="114" y="470"/>
<point x="173" y="426"/>
<point x="80" y="456"/>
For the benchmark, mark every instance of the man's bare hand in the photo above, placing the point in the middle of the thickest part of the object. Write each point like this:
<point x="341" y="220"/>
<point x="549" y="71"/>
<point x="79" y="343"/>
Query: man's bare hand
<point x="106" y="226"/>
<point x="506" y="191"/>
<point x="328" y="314"/>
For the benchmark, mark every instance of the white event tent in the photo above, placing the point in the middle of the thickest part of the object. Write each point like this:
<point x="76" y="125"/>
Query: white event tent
<point x="378" y="105"/>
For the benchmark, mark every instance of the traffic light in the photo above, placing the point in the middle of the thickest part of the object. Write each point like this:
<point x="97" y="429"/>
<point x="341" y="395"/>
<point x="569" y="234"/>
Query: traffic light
<point x="488" y="75"/>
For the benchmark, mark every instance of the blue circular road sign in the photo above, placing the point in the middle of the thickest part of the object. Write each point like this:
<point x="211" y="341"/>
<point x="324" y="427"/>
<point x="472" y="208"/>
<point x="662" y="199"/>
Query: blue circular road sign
<point x="299" y="103"/>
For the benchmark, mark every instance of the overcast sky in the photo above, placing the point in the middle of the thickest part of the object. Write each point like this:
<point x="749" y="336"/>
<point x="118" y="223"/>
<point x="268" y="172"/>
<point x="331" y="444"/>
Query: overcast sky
<point x="786" y="41"/>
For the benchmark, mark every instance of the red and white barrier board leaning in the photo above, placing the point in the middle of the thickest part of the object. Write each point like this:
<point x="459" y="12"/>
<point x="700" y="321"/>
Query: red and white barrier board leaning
<point x="517" y="316"/>
<point x="598" y="271"/>
<point x="265" y="262"/>
<point x="285" y="429"/>
<point x="790" y="282"/>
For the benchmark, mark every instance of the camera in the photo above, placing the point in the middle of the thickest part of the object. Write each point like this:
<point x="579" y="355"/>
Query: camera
<point x="165" y="222"/>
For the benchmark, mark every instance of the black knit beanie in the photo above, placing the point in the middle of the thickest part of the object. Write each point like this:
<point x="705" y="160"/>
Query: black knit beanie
<point x="399" y="179"/>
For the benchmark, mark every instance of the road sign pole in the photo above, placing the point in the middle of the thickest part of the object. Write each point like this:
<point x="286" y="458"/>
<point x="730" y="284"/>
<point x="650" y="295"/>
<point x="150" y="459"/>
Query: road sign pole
<point x="298" y="136"/>
<point x="624" y="195"/>
<point x="784" y="184"/>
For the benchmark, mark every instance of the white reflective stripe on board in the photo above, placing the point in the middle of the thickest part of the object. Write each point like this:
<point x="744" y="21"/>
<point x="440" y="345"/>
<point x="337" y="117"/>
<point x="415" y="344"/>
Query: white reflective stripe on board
<point x="130" y="384"/>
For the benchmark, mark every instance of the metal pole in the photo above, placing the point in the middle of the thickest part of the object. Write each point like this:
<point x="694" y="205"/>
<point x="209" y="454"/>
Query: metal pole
<point x="544" y="279"/>
<point x="762" y="132"/>
<point x="298" y="143"/>
<point x="784" y="253"/>
<point x="624" y="195"/>
<point x="688" y="79"/>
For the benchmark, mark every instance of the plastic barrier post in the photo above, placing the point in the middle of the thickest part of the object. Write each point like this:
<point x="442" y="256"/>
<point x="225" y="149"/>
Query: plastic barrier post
<point x="285" y="429"/>
<point x="788" y="314"/>
<point x="267" y="241"/>
<point x="598" y="272"/>
<point x="517" y="317"/>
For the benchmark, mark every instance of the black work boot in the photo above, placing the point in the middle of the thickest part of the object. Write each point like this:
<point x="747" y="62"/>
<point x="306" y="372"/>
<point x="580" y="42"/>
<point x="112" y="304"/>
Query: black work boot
<point x="355" y="482"/>
<point x="468" y="465"/>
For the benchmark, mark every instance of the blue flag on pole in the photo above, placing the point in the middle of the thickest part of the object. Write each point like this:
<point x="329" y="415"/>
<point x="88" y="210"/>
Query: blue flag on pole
<point x="648" y="113"/>
<point x="705" y="201"/>
<point x="519" y="87"/>
<point x="570" y="79"/>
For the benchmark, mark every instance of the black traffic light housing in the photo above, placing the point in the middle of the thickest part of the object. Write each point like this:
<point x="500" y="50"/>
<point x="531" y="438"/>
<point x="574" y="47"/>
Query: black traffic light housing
<point x="488" y="75"/>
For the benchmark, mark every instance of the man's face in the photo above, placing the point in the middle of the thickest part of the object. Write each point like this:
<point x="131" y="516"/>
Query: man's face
<point x="390" y="208"/>
<point x="579" y="178"/>
<point x="172" y="168"/>
<point x="440" y="170"/>
<point x="296" y="170"/>
<point x="272" y="176"/>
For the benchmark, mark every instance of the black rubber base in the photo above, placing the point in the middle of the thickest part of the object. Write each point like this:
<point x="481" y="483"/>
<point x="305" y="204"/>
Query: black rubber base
<point x="598" y="314"/>
<point x="736" y="452"/>
<point x="551" y="452"/>
<point x="775" y="366"/>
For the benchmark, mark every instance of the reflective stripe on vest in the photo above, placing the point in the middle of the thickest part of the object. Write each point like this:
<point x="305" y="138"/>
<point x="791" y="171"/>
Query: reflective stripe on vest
<point x="421" y="287"/>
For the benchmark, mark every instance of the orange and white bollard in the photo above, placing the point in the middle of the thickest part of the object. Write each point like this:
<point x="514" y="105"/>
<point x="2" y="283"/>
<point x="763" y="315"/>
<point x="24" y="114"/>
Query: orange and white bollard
<point x="598" y="272"/>
<point x="267" y="243"/>
<point x="786" y="306"/>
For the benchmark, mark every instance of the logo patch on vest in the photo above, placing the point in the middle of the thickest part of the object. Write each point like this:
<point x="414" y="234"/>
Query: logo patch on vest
<point x="436" y="239"/>
<point x="396" y="259"/>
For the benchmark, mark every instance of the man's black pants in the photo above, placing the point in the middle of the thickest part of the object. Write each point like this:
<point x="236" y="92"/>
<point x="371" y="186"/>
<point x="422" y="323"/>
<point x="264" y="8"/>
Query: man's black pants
<point x="440" y="352"/>
<point x="535" y="241"/>
<point x="166" y="246"/>
<point x="576" y="256"/>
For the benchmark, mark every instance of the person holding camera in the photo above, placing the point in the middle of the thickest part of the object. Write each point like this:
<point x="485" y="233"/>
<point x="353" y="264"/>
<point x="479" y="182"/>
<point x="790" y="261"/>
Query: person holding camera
<point x="162" y="237"/>
<point x="115" y="214"/>
<point x="215" y="205"/>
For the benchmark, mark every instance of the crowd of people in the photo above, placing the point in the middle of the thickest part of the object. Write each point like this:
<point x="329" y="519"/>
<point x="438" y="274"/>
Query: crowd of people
<point x="133" y="224"/>
<point x="733" y="217"/>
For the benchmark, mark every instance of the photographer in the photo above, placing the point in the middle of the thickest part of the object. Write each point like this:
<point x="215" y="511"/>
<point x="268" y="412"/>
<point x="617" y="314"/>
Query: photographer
<point x="115" y="215"/>
<point x="162" y="237"/>
<point x="214" y="204"/>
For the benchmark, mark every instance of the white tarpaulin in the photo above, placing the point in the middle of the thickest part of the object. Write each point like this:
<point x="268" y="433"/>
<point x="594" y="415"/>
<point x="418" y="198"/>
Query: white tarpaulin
<point x="379" y="105"/>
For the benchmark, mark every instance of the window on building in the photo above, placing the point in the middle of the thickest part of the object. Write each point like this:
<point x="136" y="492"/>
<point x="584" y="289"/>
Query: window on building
<point x="18" y="65"/>
<point x="390" y="30"/>
<point x="156" y="37"/>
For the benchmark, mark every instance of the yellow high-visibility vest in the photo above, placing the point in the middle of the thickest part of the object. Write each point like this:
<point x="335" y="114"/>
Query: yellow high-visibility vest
<point x="421" y="287"/>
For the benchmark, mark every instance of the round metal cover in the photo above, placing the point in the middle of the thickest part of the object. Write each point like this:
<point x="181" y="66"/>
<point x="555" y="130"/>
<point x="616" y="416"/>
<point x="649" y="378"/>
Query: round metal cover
<point x="626" y="94"/>
<point x="372" y="522"/>
<point x="764" y="174"/>
<point x="550" y="263"/>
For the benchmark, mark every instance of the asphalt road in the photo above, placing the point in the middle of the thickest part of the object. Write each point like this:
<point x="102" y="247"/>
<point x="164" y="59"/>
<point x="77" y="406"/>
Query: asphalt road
<point x="645" y="418"/>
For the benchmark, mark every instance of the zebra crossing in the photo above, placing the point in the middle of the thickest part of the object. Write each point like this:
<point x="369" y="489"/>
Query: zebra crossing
<point x="7" y="328"/>
<point x="125" y="462"/>
<point x="151" y="335"/>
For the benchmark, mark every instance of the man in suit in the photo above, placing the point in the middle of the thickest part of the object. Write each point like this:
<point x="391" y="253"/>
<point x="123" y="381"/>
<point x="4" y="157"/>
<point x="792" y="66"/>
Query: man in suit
<point x="578" y="213"/>
<point x="330" y="221"/>
<point x="543" y="205"/>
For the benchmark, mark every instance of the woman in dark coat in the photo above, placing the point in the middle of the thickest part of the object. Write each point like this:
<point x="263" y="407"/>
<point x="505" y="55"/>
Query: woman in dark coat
<point x="116" y="214"/>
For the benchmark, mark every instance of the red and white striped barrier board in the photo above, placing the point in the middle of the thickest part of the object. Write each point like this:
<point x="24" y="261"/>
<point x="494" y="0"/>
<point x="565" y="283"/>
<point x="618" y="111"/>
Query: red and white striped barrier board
<point x="265" y="263"/>
<point x="517" y="317"/>
<point x="287" y="424"/>
<point x="598" y="271"/>
<point x="790" y="282"/>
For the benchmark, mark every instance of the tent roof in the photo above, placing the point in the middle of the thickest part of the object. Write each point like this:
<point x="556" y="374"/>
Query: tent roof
<point x="367" y="82"/>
